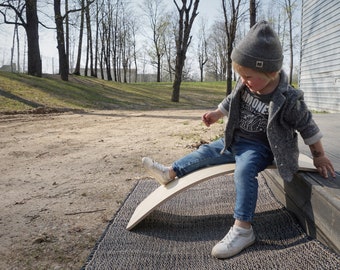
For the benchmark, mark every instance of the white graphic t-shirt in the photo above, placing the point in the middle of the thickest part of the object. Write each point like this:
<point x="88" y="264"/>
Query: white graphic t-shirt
<point x="254" y="116"/>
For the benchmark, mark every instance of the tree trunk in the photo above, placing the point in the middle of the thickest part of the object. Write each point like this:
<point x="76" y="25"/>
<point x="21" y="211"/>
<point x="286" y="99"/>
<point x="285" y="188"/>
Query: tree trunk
<point x="135" y="59"/>
<point x="182" y="42"/>
<point x="32" y="31"/>
<point x="202" y="50"/>
<point x="289" y="14"/>
<point x="87" y="57"/>
<point x="67" y="33"/>
<point x="63" y="61"/>
<point x="107" y="55"/>
<point x="96" y="41"/>
<point x="115" y="43"/>
<point x="101" y="60"/>
<point x="18" y="49"/>
<point x="13" y="44"/>
<point x="252" y="12"/>
<point x="230" y="27"/>
<point x="89" y="36"/>
<point x="159" y="67"/>
<point x="178" y="79"/>
<point x="80" y="44"/>
<point x="229" y="74"/>
<point x="291" y="65"/>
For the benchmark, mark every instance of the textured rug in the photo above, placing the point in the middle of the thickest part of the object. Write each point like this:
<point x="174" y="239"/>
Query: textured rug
<point x="181" y="233"/>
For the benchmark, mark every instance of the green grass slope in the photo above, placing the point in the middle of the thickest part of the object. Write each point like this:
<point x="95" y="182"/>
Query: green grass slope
<point x="20" y="93"/>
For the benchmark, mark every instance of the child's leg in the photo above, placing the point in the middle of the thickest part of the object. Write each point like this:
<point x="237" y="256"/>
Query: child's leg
<point x="206" y="155"/>
<point x="251" y="158"/>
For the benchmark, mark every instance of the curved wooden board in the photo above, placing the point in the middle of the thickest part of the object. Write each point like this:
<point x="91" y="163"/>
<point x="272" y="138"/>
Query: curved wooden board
<point x="164" y="193"/>
<point x="306" y="164"/>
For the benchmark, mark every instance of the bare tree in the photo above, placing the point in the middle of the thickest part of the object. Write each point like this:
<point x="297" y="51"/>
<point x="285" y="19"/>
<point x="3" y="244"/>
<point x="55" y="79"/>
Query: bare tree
<point x="15" y="41"/>
<point x="217" y="51"/>
<point x="80" y="40"/>
<point x="289" y="7"/>
<point x="61" y="45"/>
<point x="115" y="32"/>
<point x="63" y="60"/>
<point x="12" y="9"/>
<point x="96" y="50"/>
<point x="183" y="40"/>
<point x="202" y="49"/>
<point x="134" y="29"/>
<point x="89" y="44"/>
<point x="124" y="49"/>
<point x="105" y="38"/>
<point x="67" y="33"/>
<point x="154" y="11"/>
<point x="230" y="28"/>
<point x="170" y="47"/>
<point x="285" y="22"/>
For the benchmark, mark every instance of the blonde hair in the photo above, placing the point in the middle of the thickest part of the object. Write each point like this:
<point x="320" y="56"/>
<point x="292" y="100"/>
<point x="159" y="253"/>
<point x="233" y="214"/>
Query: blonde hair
<point x="267" y="75"/>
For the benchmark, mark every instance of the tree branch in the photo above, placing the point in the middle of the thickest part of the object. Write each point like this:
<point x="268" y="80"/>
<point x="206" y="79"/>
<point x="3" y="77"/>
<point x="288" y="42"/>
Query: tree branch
<point x="17" y="12"/>
<point x="76" y="10"/>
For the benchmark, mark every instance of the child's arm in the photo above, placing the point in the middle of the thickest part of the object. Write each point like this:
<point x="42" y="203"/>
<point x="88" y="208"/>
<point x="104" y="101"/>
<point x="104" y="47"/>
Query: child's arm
<point x="321" y="161"/>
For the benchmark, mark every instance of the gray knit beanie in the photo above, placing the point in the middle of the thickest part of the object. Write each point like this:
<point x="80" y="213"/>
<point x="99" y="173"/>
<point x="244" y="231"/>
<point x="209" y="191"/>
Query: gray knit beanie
<point x="260" y="49"/>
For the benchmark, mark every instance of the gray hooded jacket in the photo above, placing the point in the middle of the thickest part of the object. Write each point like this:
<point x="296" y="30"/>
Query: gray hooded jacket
<point x="288" y="113"/>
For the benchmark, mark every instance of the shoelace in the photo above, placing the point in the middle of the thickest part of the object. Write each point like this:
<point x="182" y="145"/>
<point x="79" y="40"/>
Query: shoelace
<point x="158" y="166"/>
<point x="228" y="238"/>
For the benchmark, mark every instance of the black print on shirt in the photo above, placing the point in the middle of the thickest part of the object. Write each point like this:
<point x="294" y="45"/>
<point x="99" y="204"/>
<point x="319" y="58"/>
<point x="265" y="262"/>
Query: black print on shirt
<point x="254" y="114"/>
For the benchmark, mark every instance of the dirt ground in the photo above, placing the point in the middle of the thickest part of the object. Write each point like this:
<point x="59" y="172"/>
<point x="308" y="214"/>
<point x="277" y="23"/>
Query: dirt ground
<point x="63" y="176"/>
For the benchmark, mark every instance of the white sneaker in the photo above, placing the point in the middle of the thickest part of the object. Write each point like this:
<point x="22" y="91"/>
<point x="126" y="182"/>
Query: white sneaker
<point x="234" y="242"/>
<point x="158" y="171"/>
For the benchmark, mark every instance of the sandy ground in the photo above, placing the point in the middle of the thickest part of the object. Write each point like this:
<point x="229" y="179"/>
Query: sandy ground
<point x="63" y="177"/>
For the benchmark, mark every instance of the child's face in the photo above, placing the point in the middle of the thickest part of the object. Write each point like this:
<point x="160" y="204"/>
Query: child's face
<point x="256" y="82"/>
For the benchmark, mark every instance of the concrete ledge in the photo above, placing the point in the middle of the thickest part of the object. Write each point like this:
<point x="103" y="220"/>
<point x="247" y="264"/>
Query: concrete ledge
<point x="314" y="201"/>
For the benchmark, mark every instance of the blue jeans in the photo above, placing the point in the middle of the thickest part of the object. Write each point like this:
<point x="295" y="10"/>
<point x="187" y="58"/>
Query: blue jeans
<point x="250" y="157"/>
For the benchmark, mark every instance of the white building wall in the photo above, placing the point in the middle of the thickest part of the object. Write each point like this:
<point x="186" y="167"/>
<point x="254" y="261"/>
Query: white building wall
<point x="320" y="54"/>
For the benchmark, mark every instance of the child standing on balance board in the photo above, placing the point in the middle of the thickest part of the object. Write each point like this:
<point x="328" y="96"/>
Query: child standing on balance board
<point x="264" y="112"/>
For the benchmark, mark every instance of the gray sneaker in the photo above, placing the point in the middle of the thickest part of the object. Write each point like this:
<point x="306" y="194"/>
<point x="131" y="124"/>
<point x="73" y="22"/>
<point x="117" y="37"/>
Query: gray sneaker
<point x="234" y="242"/>
<point x="158" y="171"/>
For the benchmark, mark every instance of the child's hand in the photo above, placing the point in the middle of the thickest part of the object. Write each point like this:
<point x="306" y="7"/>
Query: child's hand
<point x="211" y="117"/>
<point x="207" y="119"/>
<point x="324" y="165"/>
<point x="321" y="161"/>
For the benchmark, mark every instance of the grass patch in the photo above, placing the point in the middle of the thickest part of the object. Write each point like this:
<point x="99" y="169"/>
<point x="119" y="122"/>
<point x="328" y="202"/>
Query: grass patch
<point x="20" y="92"/>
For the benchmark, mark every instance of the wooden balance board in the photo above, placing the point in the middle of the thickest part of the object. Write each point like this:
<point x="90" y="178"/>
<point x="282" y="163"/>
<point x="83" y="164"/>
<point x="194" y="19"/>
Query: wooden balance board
<point x="164" y="193"/>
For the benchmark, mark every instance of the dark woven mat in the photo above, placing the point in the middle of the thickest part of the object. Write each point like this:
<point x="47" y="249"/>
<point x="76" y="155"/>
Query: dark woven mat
<point x="181" y="233"/>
